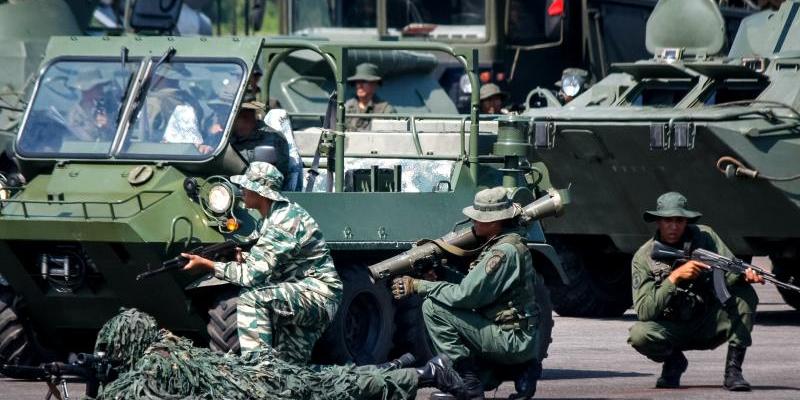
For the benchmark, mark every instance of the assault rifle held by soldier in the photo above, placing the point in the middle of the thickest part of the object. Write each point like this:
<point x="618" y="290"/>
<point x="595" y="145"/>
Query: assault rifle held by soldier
<point x="217" y="251"/>
<point x="719" y="264"/>
<point x="92" y="369"/>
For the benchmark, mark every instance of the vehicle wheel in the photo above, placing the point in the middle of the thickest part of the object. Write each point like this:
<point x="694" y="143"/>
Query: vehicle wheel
<point x="412" y="335"/>
<point x="599" y="291"/>
<point x="223" y="335"/>
<point x="17" y="344"/>
<point x="787" y="270"/>
<point x="363" y="327"/>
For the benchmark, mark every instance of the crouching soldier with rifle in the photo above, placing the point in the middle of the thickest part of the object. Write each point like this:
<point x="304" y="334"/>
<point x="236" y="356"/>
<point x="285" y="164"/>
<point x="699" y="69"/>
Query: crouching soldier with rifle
<point x="675" y="300"/>
<point x="490" y="318"/>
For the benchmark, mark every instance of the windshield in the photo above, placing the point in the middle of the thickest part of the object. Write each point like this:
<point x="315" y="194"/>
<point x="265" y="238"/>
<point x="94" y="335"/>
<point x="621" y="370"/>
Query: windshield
<point x="75" y="108"/>
<point x="185" y="110"/>
<point x="453" y="18"/>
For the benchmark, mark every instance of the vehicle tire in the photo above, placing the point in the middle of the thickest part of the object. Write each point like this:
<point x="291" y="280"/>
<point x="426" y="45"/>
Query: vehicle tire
<point x="412" y="335"/>
<point x="603" y="291"/>
<point x="787" y="270"/>
<point x="363" y="327"/>
<point x="223" y="334"/>
<point x="17" y="343"/>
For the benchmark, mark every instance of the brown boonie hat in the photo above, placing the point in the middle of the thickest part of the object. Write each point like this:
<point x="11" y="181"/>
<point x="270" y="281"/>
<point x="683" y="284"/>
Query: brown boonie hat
<point x="491" y="205"/>
<point x="249" y="102"/>
<point x="671" y="204"/>
<point x="490" y="90"/>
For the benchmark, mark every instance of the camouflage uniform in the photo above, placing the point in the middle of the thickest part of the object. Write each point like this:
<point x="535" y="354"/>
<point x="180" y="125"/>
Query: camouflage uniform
<point x="687" y="318"/>
<point x="264" y="136"/>
<point x="376" y="106"/>
<point x="290" y="288"/>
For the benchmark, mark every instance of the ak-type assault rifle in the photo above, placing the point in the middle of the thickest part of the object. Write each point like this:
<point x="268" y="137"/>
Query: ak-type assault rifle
<point x="224" y="251"/>
<point x="92" y="369"/>
<point x="719" y="264"/>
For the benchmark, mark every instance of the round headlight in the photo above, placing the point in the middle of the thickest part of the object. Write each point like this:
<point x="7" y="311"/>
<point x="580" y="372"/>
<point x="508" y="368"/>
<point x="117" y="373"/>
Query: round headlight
<point x="464" y="84"/>
<point x="571" y="85"/>
<point x="220" y="198"/>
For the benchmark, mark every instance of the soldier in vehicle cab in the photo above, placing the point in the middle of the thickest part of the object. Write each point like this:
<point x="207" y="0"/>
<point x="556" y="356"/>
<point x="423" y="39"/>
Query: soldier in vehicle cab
<point x="366" y="81"/>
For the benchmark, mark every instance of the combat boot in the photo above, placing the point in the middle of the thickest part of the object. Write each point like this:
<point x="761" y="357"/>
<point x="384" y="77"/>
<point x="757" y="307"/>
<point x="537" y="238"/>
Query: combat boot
<point x="525" y="384"/>
<point x="438" y="372"/>
<point x="404" y="361"/>
<point x="674" y="366"/>
<point x="734" y="381"/>
<point x="473" y="387"/>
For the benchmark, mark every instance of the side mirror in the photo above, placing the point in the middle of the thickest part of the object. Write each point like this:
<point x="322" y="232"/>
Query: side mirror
<point x="265" y="154"/>
<point x="161" y="16"/>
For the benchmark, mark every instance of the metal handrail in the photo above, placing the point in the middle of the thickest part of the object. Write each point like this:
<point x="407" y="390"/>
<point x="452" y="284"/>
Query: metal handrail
<point x="84" y="204"/>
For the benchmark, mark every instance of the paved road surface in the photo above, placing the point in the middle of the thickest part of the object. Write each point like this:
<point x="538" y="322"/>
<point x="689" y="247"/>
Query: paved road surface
<point x="589" y="359"/>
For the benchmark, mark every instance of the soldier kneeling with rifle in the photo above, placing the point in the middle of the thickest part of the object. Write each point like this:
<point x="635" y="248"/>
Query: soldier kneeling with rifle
<point x="490" y="317"/>
<point x="675" y="300"/>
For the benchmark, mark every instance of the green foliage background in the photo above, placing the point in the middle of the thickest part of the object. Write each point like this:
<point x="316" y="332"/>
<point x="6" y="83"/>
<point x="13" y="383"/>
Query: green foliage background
<point x="227" y="21"/>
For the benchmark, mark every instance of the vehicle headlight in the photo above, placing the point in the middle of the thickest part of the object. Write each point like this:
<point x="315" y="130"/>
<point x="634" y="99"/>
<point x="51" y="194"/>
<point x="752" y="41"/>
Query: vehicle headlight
<point x="220" y="198"/>
<point x="464" y="84"/>
<point x="571" y="85"/>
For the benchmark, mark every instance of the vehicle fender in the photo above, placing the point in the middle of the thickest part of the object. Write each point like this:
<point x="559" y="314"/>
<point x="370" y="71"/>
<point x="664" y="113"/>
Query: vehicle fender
<point x="547" y="262"/>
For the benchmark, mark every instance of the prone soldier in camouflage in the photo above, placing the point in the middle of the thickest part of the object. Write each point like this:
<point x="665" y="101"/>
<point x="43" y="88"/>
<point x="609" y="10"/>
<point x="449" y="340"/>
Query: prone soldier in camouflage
<point x="676" y="305"/>
<point x="290" y="288"/>
<point x="491" y="316"/>
<point x="250" y="132"/>
<point x="366" y="81"/>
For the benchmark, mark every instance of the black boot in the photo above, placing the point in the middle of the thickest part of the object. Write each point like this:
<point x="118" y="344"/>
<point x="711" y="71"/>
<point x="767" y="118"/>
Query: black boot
<point x="734" y="381"/>
<point x="404" y="361"/>
<point x="473" y="387"/>
<point x="439" y="372"/>
<point x="674" y="366"/>
<point x="525" y="384"/>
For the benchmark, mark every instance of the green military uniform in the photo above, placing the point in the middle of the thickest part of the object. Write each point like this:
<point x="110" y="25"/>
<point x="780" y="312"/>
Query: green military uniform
<point x="367" y="72"/>
<point x="491" y="314"/>
<point x="375" y="106"/>
<point x="687" y="318"/>
<point x="264" y="136"/>
<point x="290" y="288"/>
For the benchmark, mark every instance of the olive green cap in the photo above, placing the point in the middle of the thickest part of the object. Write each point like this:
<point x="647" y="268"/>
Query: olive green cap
<point x="262" y="178"/>
<point x="671" y="204"/>
<point x="579" y="72"/>
<point x="366" y="72"/>
<point x="249" y="102"/>
<point x="489" y="90"/>
<point x="491" y="205"/>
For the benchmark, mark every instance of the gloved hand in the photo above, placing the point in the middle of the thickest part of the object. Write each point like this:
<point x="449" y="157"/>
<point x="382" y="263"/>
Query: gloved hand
<point x="402" y="287"/>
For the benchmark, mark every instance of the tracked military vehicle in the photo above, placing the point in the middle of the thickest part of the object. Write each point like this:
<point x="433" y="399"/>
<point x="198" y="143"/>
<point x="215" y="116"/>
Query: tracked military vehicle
<point x="105" y="202"/>
<point x="670" y="123"/>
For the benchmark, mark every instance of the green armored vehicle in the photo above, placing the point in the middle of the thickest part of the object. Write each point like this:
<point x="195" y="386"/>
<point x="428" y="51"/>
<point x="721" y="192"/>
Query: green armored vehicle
<point x="109" y="198"/>
<point x="669" y="123"/>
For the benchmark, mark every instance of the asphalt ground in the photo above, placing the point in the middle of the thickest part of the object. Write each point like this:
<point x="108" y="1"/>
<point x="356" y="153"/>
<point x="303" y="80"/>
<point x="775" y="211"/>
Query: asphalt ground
<point x="590" y="359"/>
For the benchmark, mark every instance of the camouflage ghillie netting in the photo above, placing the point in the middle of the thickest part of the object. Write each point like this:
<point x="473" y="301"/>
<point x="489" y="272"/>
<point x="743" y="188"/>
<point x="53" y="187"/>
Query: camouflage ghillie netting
<point x="160" y="365"/>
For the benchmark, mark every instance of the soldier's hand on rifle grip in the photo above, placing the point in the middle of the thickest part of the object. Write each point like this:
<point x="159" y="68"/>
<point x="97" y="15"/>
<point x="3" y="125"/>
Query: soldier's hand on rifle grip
<point x="751" y="276"/>
<point x="402" y="287"/>
<point x="197" y="263"/>
<point x="687" y="271"/>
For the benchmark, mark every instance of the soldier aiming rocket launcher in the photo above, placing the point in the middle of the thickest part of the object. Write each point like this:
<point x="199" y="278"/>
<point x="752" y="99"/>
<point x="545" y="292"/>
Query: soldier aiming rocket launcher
<point x="217" y="251"/>
<point x="719" y="265"/>
<point x="429" y="252"/>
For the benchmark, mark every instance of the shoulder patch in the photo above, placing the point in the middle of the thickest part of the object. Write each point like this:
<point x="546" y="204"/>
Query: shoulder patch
<point x="636" y="281"/>
<point x="495" y="261"/>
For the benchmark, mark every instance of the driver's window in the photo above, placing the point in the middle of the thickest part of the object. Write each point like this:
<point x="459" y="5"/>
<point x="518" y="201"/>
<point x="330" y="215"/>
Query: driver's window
<point x="526" y="22"/>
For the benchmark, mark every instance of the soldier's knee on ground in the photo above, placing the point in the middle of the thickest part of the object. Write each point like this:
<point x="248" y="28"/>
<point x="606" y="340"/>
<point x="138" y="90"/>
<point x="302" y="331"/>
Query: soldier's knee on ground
<point x="642" y="337"/>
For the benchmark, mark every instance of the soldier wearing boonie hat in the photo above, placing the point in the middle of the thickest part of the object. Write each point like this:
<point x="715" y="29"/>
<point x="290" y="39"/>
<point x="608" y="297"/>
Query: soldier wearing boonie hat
<point x="675" y="304"/>
<point x="366" y="80"/>
<point x="486" y="317"/>
<point x="492" y="99"/>
<point x="290" y="288"/>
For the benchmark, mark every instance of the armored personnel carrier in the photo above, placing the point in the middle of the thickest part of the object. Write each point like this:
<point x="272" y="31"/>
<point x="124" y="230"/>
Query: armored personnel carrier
<point x="691" y="119"/>
<point x="105" y="202"/>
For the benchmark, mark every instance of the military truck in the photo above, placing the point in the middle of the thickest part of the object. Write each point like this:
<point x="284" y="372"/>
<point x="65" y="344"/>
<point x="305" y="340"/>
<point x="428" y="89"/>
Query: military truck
<point x="669" y="123"/>
<point x="523" y="44"/>
<point x="103" y="205"/>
